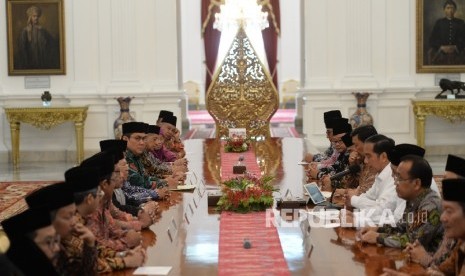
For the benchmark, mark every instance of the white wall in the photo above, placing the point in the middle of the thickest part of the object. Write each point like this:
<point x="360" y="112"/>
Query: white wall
<point x="368" y="46"/>
<point x="113" y="48"/>
<point x="131" y="48"/>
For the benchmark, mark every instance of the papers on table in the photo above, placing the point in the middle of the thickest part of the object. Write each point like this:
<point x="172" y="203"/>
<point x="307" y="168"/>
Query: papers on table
<point x="152" y="270"/>
<point x="326" y="194"/>
<point x="184" y="188"/>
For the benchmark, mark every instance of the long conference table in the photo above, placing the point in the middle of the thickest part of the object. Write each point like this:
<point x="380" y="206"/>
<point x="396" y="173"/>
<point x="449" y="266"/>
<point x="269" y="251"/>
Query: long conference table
<point x="187" y="234"/>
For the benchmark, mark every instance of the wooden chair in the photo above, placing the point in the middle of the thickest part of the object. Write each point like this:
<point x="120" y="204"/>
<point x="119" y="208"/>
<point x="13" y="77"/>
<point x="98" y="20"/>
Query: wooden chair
<point x="288" y="91"/>
<point x="193" y="93"/>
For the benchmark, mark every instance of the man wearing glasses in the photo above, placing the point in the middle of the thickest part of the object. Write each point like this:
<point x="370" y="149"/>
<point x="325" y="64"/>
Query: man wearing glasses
<point x="135" y="134"/>
<point x="420" y="220"/>
<point x="34" y="242"/>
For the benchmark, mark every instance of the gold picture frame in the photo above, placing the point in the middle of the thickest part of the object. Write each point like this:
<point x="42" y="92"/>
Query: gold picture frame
<point x="36" y="37"/>
<point x="437" y="50"/>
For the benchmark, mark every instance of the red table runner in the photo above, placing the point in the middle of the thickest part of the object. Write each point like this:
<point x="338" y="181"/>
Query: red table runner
<point x="265" y="257"/>
<point x="229" y="159"/>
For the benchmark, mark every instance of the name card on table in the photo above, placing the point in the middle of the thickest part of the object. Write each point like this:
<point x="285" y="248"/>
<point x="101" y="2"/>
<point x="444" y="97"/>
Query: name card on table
<point x="237" y="132"/>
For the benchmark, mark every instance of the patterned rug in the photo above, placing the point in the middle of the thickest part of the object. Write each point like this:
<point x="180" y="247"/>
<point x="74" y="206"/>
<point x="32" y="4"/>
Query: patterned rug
<point x="12" y="196"/>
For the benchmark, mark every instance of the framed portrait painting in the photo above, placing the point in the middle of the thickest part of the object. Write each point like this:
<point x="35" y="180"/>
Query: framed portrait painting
<point x="440" y="40"/>
<point x="36" y="38"/>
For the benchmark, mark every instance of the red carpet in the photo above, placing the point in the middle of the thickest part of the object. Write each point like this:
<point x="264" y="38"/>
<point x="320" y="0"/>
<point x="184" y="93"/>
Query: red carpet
<point x="12" y="196"/>
<point x="203" y="133"/>
<point x="265" y="257"/>
<point x="202" y="117"/>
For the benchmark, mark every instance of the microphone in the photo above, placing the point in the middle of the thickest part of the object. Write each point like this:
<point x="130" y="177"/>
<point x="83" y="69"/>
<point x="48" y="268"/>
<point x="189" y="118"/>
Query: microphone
<point x="351" y="169"/>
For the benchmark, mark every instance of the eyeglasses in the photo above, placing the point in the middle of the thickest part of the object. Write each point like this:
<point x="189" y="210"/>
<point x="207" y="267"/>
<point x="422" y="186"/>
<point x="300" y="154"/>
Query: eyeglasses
<point x="99" y="194"/>
<point x="337" y="142"/>
<point x="398" y="179"/>
<point x="50" y="242"/>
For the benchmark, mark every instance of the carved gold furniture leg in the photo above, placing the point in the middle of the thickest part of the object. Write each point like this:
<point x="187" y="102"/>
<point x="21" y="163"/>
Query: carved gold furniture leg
<point x="46" y="118"/>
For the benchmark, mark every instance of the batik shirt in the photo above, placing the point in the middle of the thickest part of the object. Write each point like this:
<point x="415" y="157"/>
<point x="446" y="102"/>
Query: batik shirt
<point x="127" y="220"/>
<point x="106" y="231"/>
<point x="76" y="257"/>
<point x="340" y="165"/>
<point x="154" y="167"/>
<point x="137" y="175"/>
<point x="443" y="259"/>
<point x="107" y="261"/>
<point x="164" y="155"/>
<point x="366" y="179"/>
<point x="136" y="195"/>
<point x="325" y="155"/>
<point x="420" y="222"/>
<point x="460" y="259"/>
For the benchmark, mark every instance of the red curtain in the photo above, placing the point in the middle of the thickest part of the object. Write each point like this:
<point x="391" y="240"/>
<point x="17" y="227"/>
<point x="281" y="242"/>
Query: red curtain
<point x="270" y="37"/>
<point x="211" y="37"/>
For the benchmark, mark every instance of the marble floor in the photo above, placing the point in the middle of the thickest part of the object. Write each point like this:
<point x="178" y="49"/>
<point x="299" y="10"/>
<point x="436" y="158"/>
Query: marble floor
<point x="33" y="171"/>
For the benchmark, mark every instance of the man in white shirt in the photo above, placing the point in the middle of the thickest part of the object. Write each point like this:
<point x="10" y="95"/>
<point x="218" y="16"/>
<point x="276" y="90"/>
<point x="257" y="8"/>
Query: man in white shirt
<point x="382" y="194"/>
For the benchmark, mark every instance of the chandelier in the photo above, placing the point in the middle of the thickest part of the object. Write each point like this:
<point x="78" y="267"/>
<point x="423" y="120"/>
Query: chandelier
<point x="236" y="13"/>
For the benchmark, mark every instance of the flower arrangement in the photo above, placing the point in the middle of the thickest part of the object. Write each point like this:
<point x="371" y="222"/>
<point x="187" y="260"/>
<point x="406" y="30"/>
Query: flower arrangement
<point x="246" y="193"/>
<point x="236" y="143"/>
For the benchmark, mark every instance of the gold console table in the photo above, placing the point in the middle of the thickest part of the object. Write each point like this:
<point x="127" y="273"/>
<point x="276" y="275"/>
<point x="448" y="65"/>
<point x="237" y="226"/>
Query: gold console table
<point x="452" y="110"/>
<point x="46" y="118"/>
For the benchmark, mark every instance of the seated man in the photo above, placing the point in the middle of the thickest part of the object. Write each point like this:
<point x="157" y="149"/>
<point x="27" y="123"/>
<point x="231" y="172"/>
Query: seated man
<point x="34" y="243"/>
<point x="453" y="219"/>
<point x="107" y="230"/>
<point x="440" y="261"/>
<point x="132" y="195"/>
<point x="170" y="173"/>
<point x="87" y="196"/>
<point x="169" y="131"/>
<point x="381" y="195"/>
<point x="395" y="156"/>
<point x="77" y="256"/>
<point x="340" y="128"/>
<point x="135" y="134"/>
<point x="329" y="155"/>
<point x="421" y="216"/>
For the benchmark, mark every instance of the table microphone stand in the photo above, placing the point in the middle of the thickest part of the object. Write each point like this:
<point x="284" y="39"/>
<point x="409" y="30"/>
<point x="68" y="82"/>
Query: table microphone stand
<point x="334" y="185"/>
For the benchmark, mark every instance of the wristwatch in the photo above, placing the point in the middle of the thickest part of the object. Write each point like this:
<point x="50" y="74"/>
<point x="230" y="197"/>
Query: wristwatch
<point x="121" y="254"/>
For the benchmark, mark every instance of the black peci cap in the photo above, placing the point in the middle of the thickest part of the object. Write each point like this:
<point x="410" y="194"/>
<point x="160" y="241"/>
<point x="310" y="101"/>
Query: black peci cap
<point x="331" y="115"/>
<point x="453" y="189"/>
<point x="134" y="127"/>
<point x="153" y="129"/>
<point x="165" y="113"/>
<point x="83" y="179"/>
<point x="104" y="160"/>
<point x="26" y="222"/>
<point x="51" y="197"/>
<point x="401" y="150"/>
<point x="170" y="120"/>
<point x="455" y="164"/>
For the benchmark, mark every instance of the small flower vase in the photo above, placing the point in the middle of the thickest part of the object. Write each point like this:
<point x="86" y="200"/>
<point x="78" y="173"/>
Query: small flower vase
<point x="361" y="117"/>
<point x="123" y="117"/>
